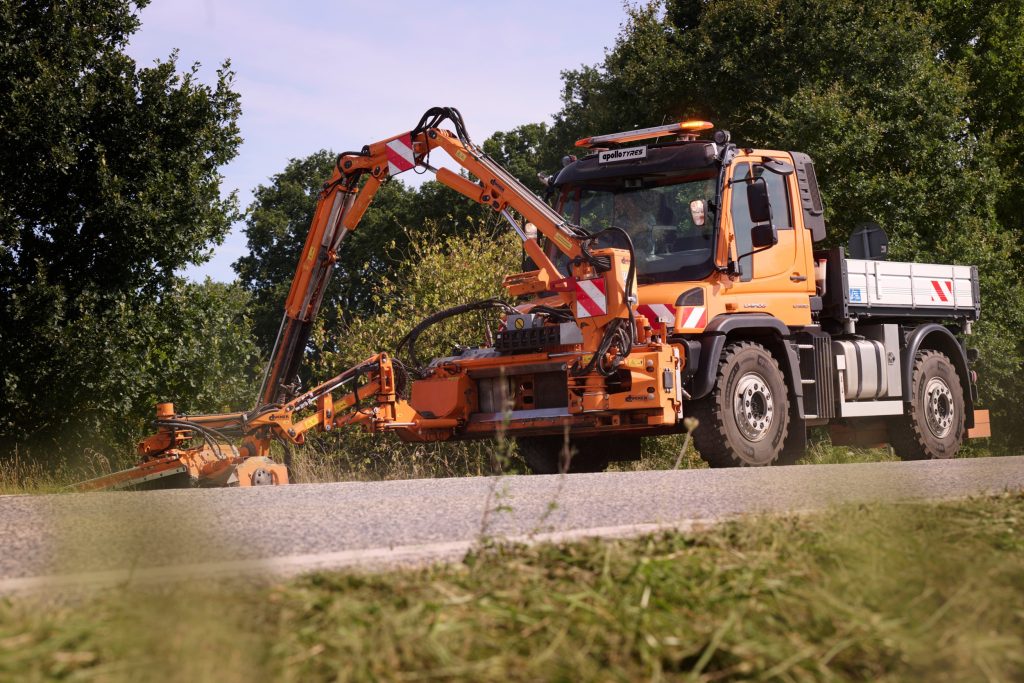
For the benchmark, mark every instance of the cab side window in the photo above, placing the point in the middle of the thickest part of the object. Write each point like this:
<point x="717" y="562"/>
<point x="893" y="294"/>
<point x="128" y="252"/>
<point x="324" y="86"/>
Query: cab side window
<point x="778" y="196"/>
<point x="741" y="224"/>
<point x="782" y="216"/>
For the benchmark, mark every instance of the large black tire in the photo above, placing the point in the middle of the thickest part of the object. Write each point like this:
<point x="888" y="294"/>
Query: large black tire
<point x="744" y="421"/>
<point x="933" y="424"/>
<point x="544" y="454"/>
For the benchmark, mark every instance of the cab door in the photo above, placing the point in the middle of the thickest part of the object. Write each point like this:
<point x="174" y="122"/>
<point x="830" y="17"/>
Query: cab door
<point x="775" y="280"/>
<point x="773" y="262"/>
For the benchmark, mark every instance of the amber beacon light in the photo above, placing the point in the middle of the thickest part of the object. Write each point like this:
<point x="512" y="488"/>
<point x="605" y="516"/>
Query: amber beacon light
<point x="679" y="128"/>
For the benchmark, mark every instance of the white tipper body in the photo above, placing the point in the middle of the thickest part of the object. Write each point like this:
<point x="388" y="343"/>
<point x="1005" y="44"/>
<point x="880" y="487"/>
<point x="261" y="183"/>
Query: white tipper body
<point x="908" y="285"/>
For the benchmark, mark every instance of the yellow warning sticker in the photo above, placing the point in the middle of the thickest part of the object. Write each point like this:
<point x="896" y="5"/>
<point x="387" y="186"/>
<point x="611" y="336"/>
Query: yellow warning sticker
<point x="563" y="240"/>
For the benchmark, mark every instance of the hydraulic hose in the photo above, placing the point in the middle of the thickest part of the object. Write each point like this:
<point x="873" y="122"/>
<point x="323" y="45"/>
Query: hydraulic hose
<point x="409" y="340"/>
<point x="617" y="333"/>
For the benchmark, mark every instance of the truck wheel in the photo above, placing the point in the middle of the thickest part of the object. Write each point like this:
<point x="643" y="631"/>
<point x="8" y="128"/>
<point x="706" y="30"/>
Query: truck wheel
<point x="745" y="419"/>
<point x="933" y="426"/>
<point x="543" y="454"/>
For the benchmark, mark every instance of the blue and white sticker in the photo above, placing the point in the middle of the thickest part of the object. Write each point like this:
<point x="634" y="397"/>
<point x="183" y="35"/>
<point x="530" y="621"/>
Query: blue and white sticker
<point x="856" y="295"/>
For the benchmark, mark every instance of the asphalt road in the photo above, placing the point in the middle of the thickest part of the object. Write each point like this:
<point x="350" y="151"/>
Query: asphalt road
<point x="112" y="538"/>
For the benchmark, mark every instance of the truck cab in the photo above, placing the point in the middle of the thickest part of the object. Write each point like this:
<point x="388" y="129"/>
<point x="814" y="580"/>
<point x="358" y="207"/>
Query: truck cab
<point x="686" y="206"/>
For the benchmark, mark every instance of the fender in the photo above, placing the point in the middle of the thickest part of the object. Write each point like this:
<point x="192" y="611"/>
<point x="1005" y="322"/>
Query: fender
<point x="712" y="343"/>
<point x="938" y="338"/>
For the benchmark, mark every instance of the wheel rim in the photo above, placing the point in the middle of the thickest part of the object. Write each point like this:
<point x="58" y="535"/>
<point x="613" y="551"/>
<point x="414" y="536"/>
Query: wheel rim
<point x="753" y="407"/>
<point x="939" y="410"/>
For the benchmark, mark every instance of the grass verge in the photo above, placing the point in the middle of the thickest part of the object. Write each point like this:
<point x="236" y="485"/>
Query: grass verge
<point x="886" y="592"/>
<point x="351" y="455"/>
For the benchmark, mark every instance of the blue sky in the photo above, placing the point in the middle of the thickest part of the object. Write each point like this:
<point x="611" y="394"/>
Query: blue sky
<point x="339" y="75"/>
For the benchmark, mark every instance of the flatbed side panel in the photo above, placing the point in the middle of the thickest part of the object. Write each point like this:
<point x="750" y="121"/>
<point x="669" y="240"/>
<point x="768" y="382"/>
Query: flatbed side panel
<point x="913" y="285"/>
<point x="893" y="288"/>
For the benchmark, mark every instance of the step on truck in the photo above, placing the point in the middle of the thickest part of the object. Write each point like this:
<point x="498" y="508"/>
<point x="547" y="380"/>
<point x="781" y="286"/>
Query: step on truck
<point x="665" y="277"/>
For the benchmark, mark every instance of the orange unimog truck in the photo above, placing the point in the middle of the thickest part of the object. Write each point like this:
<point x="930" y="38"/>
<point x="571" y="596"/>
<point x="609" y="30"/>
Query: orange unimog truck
<point x="777" y="335"/>
<point x="665" y="277"/>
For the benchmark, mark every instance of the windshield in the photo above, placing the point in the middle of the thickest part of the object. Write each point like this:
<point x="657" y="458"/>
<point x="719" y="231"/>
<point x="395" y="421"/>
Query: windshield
<point x="672" y="226"/>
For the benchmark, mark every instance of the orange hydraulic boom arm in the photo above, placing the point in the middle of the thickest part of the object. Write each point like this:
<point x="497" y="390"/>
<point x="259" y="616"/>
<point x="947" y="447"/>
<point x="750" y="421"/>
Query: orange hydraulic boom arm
<point x="343" y="201"/>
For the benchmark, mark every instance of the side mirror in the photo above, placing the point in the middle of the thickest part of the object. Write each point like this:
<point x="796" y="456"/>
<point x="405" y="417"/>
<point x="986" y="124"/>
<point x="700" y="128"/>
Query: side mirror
<point x="697" y="212"/>
<point x="764" y="235"/>
<point x="757" y="201"/>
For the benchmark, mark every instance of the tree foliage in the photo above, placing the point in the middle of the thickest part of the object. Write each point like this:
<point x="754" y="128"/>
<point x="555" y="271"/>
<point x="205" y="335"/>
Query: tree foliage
<point x="437" y="272"/>
<point x="109" y="173"/>
<point x="102" y="368"/>
<point x="863" y="88"/>
<point x="109" y="183"/>
<point x="985" y="38"/>
<point x="280" y="215"/>
<point x="525" y="151"/>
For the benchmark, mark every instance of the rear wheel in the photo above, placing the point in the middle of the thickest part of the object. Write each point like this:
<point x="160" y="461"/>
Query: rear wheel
<point x="745" y="419"/>
<point x="546" y="454"/>
<point x="933" y="426"/>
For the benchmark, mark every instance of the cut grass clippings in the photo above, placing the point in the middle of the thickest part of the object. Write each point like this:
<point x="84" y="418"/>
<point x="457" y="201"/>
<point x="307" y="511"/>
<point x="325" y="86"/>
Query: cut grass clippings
<point x="912" y="591"/>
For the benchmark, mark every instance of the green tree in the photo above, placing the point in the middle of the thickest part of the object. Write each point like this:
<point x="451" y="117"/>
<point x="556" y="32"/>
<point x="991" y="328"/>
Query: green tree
<point x="438" y="272"/>
<point x="525" y="151"/>
<point x="857" y="86"/>
<point x="193" y="346"/>
<point x="897" y="103"/>
<point x="107" y="365"/>
<point x="986" y="38"/>
<point x="109" y="184"/>
<point x="280" y="215"/>
<point x="276" y="225"/>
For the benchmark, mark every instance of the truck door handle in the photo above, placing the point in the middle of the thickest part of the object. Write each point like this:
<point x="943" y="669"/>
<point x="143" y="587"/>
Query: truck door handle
<point x="798" y="278"/>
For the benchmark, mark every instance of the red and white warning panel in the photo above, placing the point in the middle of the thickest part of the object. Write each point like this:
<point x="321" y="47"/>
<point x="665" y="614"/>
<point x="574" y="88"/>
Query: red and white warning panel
<point x="591" y="299"/>
<point x="400" y="154"/>
<point x="943" y="290"/>
<point x="677" y="317"/>
<point x="658" y="313"/>
<point x="691" y="318"/>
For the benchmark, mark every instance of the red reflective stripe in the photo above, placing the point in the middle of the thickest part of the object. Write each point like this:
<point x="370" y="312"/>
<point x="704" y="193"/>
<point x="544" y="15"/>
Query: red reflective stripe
<point x="589" y="306"/>
<point x="938" y="290"/>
